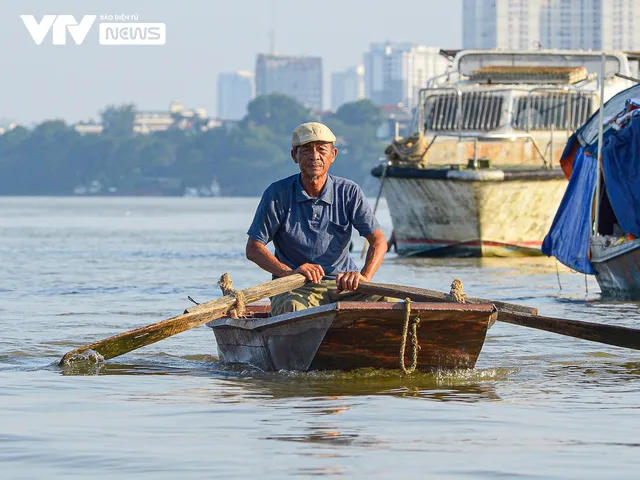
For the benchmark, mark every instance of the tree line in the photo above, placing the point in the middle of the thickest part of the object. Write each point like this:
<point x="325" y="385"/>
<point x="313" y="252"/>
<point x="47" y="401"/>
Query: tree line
<point x="53" y="158"/>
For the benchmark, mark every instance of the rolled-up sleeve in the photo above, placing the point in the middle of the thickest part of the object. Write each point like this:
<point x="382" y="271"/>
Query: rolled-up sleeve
<point x="363" y="219"/>
<point x="266" y="221"/>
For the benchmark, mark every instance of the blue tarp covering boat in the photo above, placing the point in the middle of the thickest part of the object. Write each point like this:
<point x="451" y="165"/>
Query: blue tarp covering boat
<point x="621" y="165"/>
<point x="569" y="237"/>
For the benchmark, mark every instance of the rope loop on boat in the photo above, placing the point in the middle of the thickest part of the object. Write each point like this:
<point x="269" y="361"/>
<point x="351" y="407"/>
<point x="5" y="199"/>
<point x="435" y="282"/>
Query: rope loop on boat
<point x="410" y="328"/>
<point x="226" y="285"/>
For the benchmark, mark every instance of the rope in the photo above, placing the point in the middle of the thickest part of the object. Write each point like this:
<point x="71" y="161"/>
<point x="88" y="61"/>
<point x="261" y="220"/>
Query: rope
<point x="226" y="285"/>
<point x="407" y="149"/>
<point x="456" y="293"/>
<point x="586" y="287"/>
<point x="383" y="175"/>
<point x="414" y="339"/>
<point x="558" y="275"/>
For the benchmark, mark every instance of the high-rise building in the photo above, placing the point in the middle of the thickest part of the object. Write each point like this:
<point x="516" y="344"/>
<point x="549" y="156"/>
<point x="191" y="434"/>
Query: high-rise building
<point x="590" y="24"/>
<point x="560" y="24"/>
<point x="347" y="86"/>
<point x="513" y="24"/>
<point x="298" y="77"/>
<point x="395" y="72"/>
<point x="235" y="91"/>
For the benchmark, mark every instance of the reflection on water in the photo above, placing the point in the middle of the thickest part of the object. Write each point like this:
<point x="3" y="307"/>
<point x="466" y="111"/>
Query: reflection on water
<point x="459" y="385"/>
<point x="446" y="385"/>
<point x="325" y="435"/>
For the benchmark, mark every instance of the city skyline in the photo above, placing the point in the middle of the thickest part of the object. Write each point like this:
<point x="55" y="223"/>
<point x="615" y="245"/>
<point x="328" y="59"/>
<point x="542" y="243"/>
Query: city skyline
<point x="74" y="82"/>
<point x="552" y="24"/>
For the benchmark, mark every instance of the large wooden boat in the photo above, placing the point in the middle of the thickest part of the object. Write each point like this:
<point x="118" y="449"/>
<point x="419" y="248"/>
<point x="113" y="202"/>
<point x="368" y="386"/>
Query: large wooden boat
<point x="352" y="335"/>
<point x="481" y="177"/>
<point x="471" y="213"/>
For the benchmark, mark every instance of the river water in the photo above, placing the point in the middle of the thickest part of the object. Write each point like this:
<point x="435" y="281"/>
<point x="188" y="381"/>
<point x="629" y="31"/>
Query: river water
<point x="76" y="270"/>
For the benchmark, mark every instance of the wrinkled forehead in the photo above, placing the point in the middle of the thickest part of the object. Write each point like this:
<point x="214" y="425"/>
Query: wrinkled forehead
<point x="318" y="144"/>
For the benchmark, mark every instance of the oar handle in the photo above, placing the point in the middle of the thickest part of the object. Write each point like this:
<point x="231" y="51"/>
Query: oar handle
<point x="596" y="332"/>
<point x="519" y="315"/>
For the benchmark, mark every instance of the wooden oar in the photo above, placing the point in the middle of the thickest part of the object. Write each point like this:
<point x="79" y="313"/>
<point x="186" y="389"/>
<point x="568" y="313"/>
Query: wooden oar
<point x="519" y="315"/>
<point x="423" y="295"/>
<point x="193" y="317"/>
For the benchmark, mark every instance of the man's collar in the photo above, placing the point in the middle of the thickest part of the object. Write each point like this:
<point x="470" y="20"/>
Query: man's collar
<point x="326" y="196"/>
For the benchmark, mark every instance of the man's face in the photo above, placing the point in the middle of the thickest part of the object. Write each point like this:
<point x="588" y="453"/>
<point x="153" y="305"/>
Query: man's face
<point x="314" y="158"/>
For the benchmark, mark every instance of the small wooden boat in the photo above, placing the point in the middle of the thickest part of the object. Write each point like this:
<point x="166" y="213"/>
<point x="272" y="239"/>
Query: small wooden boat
<point x="348" y="335"/>
<point x="351" y="335"/>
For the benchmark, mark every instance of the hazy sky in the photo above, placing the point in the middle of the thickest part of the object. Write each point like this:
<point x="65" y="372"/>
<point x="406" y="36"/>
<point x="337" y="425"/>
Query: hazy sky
<point x="204" y="38"/>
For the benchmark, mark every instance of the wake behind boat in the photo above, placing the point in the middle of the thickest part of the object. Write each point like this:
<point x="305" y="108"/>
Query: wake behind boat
<point x="481" y="177"/>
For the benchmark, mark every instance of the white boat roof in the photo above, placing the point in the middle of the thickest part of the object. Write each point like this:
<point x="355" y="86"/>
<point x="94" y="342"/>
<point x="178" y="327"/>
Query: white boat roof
<point x="466" y="61"/>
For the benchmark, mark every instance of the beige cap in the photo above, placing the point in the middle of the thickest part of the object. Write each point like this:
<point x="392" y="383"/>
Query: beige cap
<point x="312" y="132"/>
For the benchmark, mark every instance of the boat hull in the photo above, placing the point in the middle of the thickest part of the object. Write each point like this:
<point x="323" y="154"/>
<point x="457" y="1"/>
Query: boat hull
<point x="618" y="269"/>
<point x="352" y="335"/>
<point x="471" y="214"/>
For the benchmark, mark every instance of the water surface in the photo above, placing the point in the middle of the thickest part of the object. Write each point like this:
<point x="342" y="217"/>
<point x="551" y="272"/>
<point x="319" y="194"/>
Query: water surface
<point x="76" y="270"/>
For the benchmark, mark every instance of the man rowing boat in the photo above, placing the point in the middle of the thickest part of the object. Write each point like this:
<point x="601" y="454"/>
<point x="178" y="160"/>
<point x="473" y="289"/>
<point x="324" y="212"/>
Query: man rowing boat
<point x="309" y="217"/>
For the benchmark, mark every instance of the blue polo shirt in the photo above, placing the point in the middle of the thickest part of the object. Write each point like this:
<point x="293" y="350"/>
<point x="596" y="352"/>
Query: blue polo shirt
<point x="313" y="230"/>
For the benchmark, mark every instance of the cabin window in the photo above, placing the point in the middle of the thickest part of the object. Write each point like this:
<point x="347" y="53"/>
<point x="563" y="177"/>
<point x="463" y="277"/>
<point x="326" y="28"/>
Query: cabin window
<point x="480" y="111"/>
<point x="542" y="110"/>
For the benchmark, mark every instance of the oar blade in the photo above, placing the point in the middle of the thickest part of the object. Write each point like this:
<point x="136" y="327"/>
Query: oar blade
<point x="126" y="342"/>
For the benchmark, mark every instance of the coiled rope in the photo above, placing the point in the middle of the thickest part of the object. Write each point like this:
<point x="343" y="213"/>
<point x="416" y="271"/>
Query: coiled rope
<point x="414" y="338"/>
<point x="408" y="149"/>
<point x="410" y="328"/>
<point x="456" y="293"/>
<point x="226" y="285"/>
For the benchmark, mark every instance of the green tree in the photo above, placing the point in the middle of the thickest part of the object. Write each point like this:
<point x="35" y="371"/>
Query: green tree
<point x="360" y="113"/>
<point x="118" y="121"/>
<point x="280" y="113"/>
<point x="53" y="158"/>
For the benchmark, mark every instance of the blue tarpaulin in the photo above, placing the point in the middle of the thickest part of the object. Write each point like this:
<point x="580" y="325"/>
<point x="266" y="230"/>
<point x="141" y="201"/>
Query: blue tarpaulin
<point x="621" y="165"/>
<point x="568" y="238"/>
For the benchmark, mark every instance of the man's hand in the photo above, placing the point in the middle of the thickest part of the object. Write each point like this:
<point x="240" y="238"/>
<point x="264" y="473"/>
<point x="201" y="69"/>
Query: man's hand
<point x="312" y="271"/>
<point x="349" y="281"/>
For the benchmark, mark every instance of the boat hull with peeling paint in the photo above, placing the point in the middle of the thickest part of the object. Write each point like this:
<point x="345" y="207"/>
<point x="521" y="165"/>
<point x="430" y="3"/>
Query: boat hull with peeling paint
<point x="353" y="335"/>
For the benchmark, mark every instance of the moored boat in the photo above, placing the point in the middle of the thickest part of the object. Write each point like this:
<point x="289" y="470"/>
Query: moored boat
<point x="480" y="177"/>
<point x="352" y="335"/>
<point x="471" y="213"/>
<point x="596" y="229"/>
<point x="617" y="266"/>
